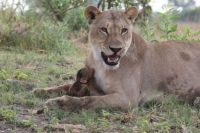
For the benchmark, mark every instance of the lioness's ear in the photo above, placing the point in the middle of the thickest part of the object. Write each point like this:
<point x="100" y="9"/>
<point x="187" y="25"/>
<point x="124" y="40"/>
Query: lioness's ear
<point x="131" y="12"/>
<point x="91" y="12"/>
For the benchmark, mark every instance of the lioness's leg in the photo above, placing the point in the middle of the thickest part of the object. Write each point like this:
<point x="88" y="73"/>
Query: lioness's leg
<point x="69" y="103"/>
<point x="51" y="90"/>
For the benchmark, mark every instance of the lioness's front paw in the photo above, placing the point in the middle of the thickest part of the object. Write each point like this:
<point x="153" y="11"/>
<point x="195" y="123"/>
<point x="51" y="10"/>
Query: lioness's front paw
<point x="66" y="103"/>
<point x="60" y="102"/>
<point x="51" y="103"/>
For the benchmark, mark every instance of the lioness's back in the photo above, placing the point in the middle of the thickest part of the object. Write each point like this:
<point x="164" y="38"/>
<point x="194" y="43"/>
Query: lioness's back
<point x="173" y="66"/>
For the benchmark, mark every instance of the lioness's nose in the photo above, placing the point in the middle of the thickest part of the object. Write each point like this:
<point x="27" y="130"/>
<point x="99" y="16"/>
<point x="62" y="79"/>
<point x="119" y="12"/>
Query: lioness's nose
<point x="115" y="50"/>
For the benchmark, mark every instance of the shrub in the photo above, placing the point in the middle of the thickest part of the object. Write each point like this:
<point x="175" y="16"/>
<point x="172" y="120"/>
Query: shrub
<point x="165" y="27"/>
<point x="75" y="19"/>
<point x="45" y="35"/>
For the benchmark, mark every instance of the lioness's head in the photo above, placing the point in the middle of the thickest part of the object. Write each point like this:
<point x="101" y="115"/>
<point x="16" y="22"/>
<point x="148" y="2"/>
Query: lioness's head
<point x="110" y="34"/>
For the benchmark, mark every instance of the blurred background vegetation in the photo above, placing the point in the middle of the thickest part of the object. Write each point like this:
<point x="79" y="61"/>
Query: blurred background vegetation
<point x="44" y="42"/>
<point x="45" y="25"/>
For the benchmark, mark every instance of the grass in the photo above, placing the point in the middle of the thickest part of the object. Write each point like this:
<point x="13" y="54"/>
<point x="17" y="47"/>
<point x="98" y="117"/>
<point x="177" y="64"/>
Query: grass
<point x="53" y="60"/>
<point x="21" y="71"/>
<point x="41" y="70"/>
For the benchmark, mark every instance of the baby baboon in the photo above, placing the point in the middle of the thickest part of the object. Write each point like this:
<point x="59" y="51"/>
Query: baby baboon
<point x="85" y="84"/>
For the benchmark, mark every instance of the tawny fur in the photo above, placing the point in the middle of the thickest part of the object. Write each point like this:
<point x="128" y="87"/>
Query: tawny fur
<point x="143" y="72"/>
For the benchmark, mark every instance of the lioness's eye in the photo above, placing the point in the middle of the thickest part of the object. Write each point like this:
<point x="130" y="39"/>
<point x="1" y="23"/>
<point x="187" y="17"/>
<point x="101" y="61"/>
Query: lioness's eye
<point x="124" y="31"/>
<point x="103" y="29"/>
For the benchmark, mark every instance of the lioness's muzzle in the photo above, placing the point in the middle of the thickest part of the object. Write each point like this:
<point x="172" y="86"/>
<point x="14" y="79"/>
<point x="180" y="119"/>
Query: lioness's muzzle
<point x="110" y="60"/>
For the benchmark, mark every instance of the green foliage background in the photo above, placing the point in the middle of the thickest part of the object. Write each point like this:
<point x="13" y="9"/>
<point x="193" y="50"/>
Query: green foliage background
<point x="48" y="25"/>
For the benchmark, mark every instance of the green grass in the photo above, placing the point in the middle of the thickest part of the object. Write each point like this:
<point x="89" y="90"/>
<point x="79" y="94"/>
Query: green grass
<point x="42" y="70"/>
<point x="32" y="69"/>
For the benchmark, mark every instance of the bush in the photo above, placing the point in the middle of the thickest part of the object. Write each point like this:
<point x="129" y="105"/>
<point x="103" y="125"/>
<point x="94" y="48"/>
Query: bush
<point x="30" y="31"/>
<point x="164" y="27"/>
<point x="39" y="35"/>
<point x="75" y="19"/>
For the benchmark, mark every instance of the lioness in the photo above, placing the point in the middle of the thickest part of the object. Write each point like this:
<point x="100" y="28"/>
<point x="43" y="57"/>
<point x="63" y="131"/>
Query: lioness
<point x="128" y="70"/>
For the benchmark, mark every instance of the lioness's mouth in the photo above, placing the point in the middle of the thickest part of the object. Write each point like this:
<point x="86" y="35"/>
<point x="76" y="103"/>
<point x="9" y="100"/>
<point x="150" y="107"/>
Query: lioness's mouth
<point x="111" y="60"/>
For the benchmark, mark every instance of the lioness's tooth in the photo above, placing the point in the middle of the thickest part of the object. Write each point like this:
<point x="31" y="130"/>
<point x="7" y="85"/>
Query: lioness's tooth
<point x="113" y="60"/>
